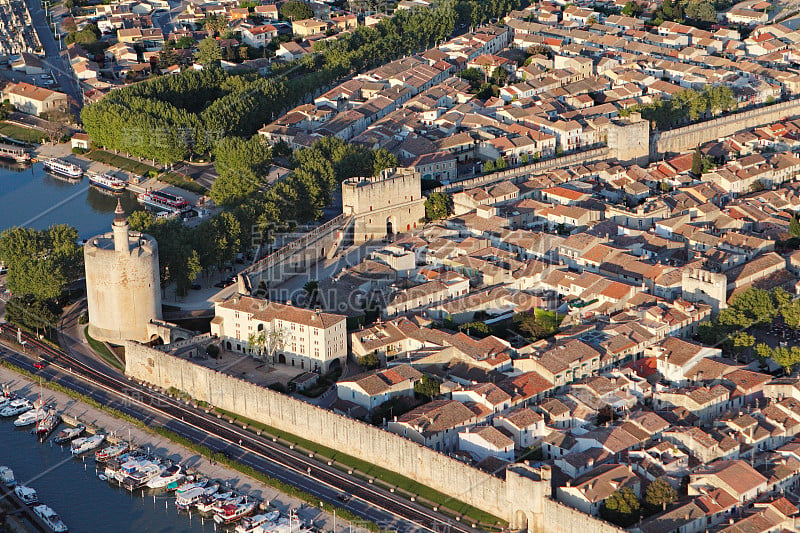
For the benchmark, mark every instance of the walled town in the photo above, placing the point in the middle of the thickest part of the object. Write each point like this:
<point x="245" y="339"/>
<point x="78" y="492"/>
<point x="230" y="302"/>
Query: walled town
<point x="563" y="291"/>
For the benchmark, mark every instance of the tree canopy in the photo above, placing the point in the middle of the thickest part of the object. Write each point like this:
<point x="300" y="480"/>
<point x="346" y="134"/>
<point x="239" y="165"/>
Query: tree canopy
<point x="40" y="262"/>
<point x="242" y="165"/>
<point x="296" y="10"/>
<point x="208" y="52"/>
<point x="659" y="494"/>
<point x="621" y="508"/>
<point x="438" y="205"/>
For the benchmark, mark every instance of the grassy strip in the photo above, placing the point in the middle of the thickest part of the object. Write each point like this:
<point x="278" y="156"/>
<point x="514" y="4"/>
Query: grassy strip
<point x="22" y="134"/>
<point x="179" y="180"/>
<point x="119" y="161"/>
<point x="102" y="350"/>
<point x="280" y="486"/>
<point x="388" y="477"/>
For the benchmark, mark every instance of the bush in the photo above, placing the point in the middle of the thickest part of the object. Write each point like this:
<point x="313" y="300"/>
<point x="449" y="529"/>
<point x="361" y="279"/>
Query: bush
<point x="212" y="350"/>
<point x="78" y="150"/>
<point x="84" y="318"/>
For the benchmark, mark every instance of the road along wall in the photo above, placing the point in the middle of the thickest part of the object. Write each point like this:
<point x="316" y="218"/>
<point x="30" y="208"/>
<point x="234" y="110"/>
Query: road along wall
<point x="689" y="137"/>
<point x="523" y="499"/>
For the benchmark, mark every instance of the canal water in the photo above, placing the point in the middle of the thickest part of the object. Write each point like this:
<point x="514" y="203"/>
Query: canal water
<point x="32" y="197"/>
<point x="85" y="503"/>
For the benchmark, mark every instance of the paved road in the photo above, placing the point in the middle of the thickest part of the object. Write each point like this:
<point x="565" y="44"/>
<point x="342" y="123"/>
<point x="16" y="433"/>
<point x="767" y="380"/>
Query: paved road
<point x="319" y="479"/>
<point x="60" y="66"/>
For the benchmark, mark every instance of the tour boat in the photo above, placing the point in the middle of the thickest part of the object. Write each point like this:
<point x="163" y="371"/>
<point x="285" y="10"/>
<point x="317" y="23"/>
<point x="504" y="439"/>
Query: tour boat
<point x="46" y="426"/>
<point x="173" y="474"/>
<point x="16" y="407"/>
<point x="164" y="201"/>
<point x="190" y="497"/>
<point x="15" y="153"/>
<point x="107" y="181"/>
<point x="59" y="166"/>
<point x="233" y="512"/>
<point x="109" y="452"/>
<point x="50" y="518"/>
<point x="66" y="435"/>
<point x="7" y="476"/>
<point x="30" y="417"/>
<point x="257" y="523"/>
<point x="26" y="494"/>
<point x="87" y="444"/>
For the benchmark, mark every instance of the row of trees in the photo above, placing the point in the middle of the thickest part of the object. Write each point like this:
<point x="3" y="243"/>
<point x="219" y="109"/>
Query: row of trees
<point x="686" y="105"/>
<point x="170" y="118"/>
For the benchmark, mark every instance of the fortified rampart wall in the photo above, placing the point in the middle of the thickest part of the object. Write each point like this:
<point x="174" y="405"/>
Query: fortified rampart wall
<point x="688" y="137"/>
<point x="522" y="499"/>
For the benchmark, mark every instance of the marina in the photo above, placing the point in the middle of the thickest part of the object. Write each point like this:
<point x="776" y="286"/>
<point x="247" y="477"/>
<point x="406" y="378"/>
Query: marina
<point x="120" y="487"/>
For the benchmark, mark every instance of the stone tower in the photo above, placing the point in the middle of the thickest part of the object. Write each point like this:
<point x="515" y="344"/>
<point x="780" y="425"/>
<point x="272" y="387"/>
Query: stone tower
<point x="123" y="288"/>
<point x="384" y="205"/>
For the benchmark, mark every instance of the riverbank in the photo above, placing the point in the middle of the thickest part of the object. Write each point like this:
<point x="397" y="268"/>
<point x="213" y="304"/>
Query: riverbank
<point x="161" y="446"/>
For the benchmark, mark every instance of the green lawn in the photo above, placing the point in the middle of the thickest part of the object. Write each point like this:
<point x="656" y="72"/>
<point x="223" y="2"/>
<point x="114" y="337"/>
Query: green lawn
<point x="119" y="161"/>
<point x="102" y="350"/>
<point x="179" y="180"/>
<point x="388" y="477"/>
<point x="22" y="134"/>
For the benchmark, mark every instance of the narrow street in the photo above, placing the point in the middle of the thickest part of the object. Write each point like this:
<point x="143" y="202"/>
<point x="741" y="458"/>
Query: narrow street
<point x="58" y="64"/>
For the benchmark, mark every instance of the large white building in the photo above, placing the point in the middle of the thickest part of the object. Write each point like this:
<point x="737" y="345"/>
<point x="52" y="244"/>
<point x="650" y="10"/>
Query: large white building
<point x="304" y="338"/>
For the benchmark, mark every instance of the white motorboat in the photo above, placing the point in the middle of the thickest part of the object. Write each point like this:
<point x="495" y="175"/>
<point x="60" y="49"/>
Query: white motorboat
<point x="7" y="476"/>
<point x="109" y="452"/>
<point x="173" y="474"/>
<point x="283" y="525"/>
<point x="142" y="476"/>
<point x="233" y="512"/>
<point x="257" y="523"/>
<point x="189" y="498"/>
<point x="211" y="489"/>
<point x="86" y="444"/>
<point x="66" y="435"/>
<point x="220" y="503"/>
<point x="16" y="407"/>
<point x="30" y="417"/>
<point x="50" y="518"/>
<point x="28" y="495"/>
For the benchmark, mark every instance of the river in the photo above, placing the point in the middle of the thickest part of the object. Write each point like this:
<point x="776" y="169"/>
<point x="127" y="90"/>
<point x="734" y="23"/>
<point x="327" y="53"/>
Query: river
<point x="85" y="503"/>
<point x="31" y="197"/>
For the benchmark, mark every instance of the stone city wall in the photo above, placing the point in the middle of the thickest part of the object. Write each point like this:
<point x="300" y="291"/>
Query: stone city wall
<point x="521" y="174"/>
<point x="523" y="499"/>
<point x="353" y="437"/>
<point x="688" y="137"/>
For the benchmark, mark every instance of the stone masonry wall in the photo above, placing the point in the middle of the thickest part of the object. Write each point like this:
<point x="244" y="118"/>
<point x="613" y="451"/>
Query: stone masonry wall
<point x="523" y="500"/>
<point x="687" y="138"/>
<point x="334" y="431"/>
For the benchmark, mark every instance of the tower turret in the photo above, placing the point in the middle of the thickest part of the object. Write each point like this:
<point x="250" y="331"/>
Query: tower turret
<point x="121" y="230"/>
